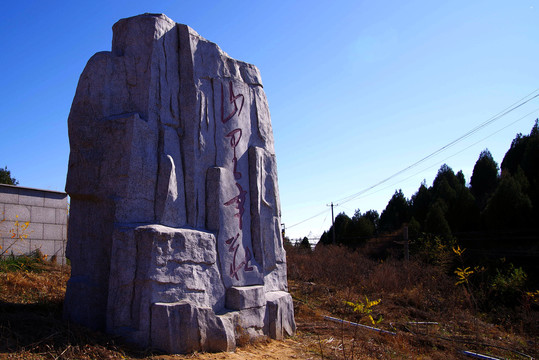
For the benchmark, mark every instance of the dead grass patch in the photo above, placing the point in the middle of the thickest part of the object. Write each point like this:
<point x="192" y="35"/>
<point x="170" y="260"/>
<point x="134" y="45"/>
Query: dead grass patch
<point x="31" y="325"/>
<point x="411" y="292"/>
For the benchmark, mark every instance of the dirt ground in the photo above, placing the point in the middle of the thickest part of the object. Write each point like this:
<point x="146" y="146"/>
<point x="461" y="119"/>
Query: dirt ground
<point x="287" y="349"/>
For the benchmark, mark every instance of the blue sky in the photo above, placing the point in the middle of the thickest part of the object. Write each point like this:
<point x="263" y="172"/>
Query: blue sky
<point x="358" y="90"/>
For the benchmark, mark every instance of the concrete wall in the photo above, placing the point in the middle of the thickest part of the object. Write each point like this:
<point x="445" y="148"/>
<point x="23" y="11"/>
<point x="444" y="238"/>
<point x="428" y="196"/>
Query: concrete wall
<point x="46" y="212"/>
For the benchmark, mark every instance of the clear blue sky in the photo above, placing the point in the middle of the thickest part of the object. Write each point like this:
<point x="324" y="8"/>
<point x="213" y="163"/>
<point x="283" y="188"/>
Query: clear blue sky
<point x="358" y="90"/>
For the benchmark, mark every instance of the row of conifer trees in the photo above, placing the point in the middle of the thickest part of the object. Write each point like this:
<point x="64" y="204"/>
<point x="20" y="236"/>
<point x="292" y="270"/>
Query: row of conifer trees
<point x="497" y="198"/>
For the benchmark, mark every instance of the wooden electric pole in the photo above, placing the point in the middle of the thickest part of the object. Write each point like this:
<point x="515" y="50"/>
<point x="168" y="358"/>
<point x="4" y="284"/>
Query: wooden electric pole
<point x="333" y="221"/>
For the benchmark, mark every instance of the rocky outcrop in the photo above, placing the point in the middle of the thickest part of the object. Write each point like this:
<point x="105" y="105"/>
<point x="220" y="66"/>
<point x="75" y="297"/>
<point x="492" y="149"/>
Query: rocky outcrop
<point x="174" y="231"/>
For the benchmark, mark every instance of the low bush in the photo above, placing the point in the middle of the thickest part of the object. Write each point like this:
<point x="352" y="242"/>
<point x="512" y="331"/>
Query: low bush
<point x="30" y="262"/>
<point x="426" y="288"/>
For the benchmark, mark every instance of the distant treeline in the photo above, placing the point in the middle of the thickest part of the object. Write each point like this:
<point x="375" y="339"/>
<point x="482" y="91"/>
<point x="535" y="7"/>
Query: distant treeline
<point x="504" y="197"/>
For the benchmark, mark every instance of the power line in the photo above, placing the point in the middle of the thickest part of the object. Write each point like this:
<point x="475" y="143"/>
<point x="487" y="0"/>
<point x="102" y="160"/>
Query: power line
<point x="310" y="218"/>
<point x="526" y="99"/>
<point x="445" y="147"/>
<point x="322" y="223"/>
<point x="455" y="154"/>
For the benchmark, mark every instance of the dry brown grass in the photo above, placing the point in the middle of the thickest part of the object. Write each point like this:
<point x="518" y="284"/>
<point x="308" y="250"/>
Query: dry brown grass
<point x="31" y="325"/>
<point x="31" y="287"/>
<point x="323" y="280"/>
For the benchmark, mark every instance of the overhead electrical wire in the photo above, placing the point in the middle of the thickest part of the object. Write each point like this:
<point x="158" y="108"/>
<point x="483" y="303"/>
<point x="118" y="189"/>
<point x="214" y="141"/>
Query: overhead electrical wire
<point x="322" y="223"/>
<point x="310" y="218"/>
<point x="526" y="99"/>
<point x="455" y="154"/>
<point x="502" y="113"/>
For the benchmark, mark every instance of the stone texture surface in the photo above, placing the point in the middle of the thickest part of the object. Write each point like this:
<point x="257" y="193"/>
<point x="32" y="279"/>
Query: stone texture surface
<point x="154" y="263"/>
<point x="244" y="297"/>
<point x="174" y="232"/>
<point x="280" y="314"/>
<point x="184" y="328"/>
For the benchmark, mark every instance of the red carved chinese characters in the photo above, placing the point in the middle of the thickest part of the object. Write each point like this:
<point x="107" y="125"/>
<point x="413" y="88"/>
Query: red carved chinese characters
<point x="245" y="263"/>
<point x="233" y="143"/>
<point x="233" y="99"/>
<point x="239" y="200"/>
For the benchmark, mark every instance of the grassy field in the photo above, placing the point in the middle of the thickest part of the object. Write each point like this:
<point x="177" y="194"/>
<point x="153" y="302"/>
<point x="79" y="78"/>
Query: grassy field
<point x="411" y="294"/>
<point x="323" y="283"/>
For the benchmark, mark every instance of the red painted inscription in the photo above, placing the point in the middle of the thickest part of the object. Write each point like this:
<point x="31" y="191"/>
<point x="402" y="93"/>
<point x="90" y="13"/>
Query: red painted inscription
<point x="239" y="200"/>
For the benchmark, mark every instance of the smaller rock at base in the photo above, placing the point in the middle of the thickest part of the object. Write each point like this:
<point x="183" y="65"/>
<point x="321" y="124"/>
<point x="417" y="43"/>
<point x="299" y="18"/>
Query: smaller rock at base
<point x="184" y="328"/>
<point x="280" y="314"/>
<point x="245" y="297"/>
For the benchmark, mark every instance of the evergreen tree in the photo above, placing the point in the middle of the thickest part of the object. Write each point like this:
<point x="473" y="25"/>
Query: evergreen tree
<point x="524" y="154"/>
<point x="5" y="177"/>
<point x="420" y="204"/>
<point x="414" y="228"/>
<point x="373" y="217"/>
<point x="305" y="244"/>
<point x="351" y="232"/>
<point x="445" y="175"/>
<point x="436" y="223"/>
<point x="461" y="178"/>
<point x="454" y="199"/>
<point x="464" y="214"/>
<point x="484" y="178"/>
<point x="509" y="207"/>
<point x="396" y="212"/>
<point x="324" y="239"/>
<point x="365" y="225"/>
<point x="342" y="227"/>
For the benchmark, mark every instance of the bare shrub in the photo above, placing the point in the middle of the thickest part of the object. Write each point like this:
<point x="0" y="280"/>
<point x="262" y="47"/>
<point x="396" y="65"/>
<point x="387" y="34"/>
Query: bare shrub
<point x="329" y="264"/>
<point x="332" y="275"/>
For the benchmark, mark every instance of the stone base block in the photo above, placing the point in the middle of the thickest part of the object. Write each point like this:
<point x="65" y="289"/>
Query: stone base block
<point x="280" y="314"/>
<point x="184" y="328"/>
<point x="245" y="297"/>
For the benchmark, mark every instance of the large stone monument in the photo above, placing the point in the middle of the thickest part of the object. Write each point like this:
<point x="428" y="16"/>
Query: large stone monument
<point x="174" y="230"/>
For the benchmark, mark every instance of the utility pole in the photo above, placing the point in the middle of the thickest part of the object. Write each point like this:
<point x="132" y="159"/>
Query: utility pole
<point x="333" y="221"/>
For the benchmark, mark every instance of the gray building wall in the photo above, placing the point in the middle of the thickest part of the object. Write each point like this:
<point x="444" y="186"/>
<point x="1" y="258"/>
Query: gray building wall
<point x="47" y="213"/>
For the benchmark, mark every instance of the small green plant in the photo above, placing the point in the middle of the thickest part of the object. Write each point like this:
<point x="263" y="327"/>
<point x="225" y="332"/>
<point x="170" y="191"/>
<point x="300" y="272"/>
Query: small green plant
<point x="32" y="262"/>
<point x="533" y="296"/>
<point x="512" y="279"/>
<point x="365" y="308"/>
<point x="19" y="232"/>
<point x="433" y="249"/>
<point x="464" y="274"/>
<point x="507" y="285"/>
<point x="503" y="287"/>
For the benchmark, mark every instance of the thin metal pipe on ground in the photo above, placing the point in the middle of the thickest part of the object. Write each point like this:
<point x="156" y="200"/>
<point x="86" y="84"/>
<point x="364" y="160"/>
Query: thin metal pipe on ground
<point x="479" y="356"/>
<point x="359" y="325"/>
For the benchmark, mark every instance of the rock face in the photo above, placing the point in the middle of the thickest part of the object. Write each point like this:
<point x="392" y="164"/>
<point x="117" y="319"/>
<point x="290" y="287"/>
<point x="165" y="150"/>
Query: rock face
<point x="174" y="231"/>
